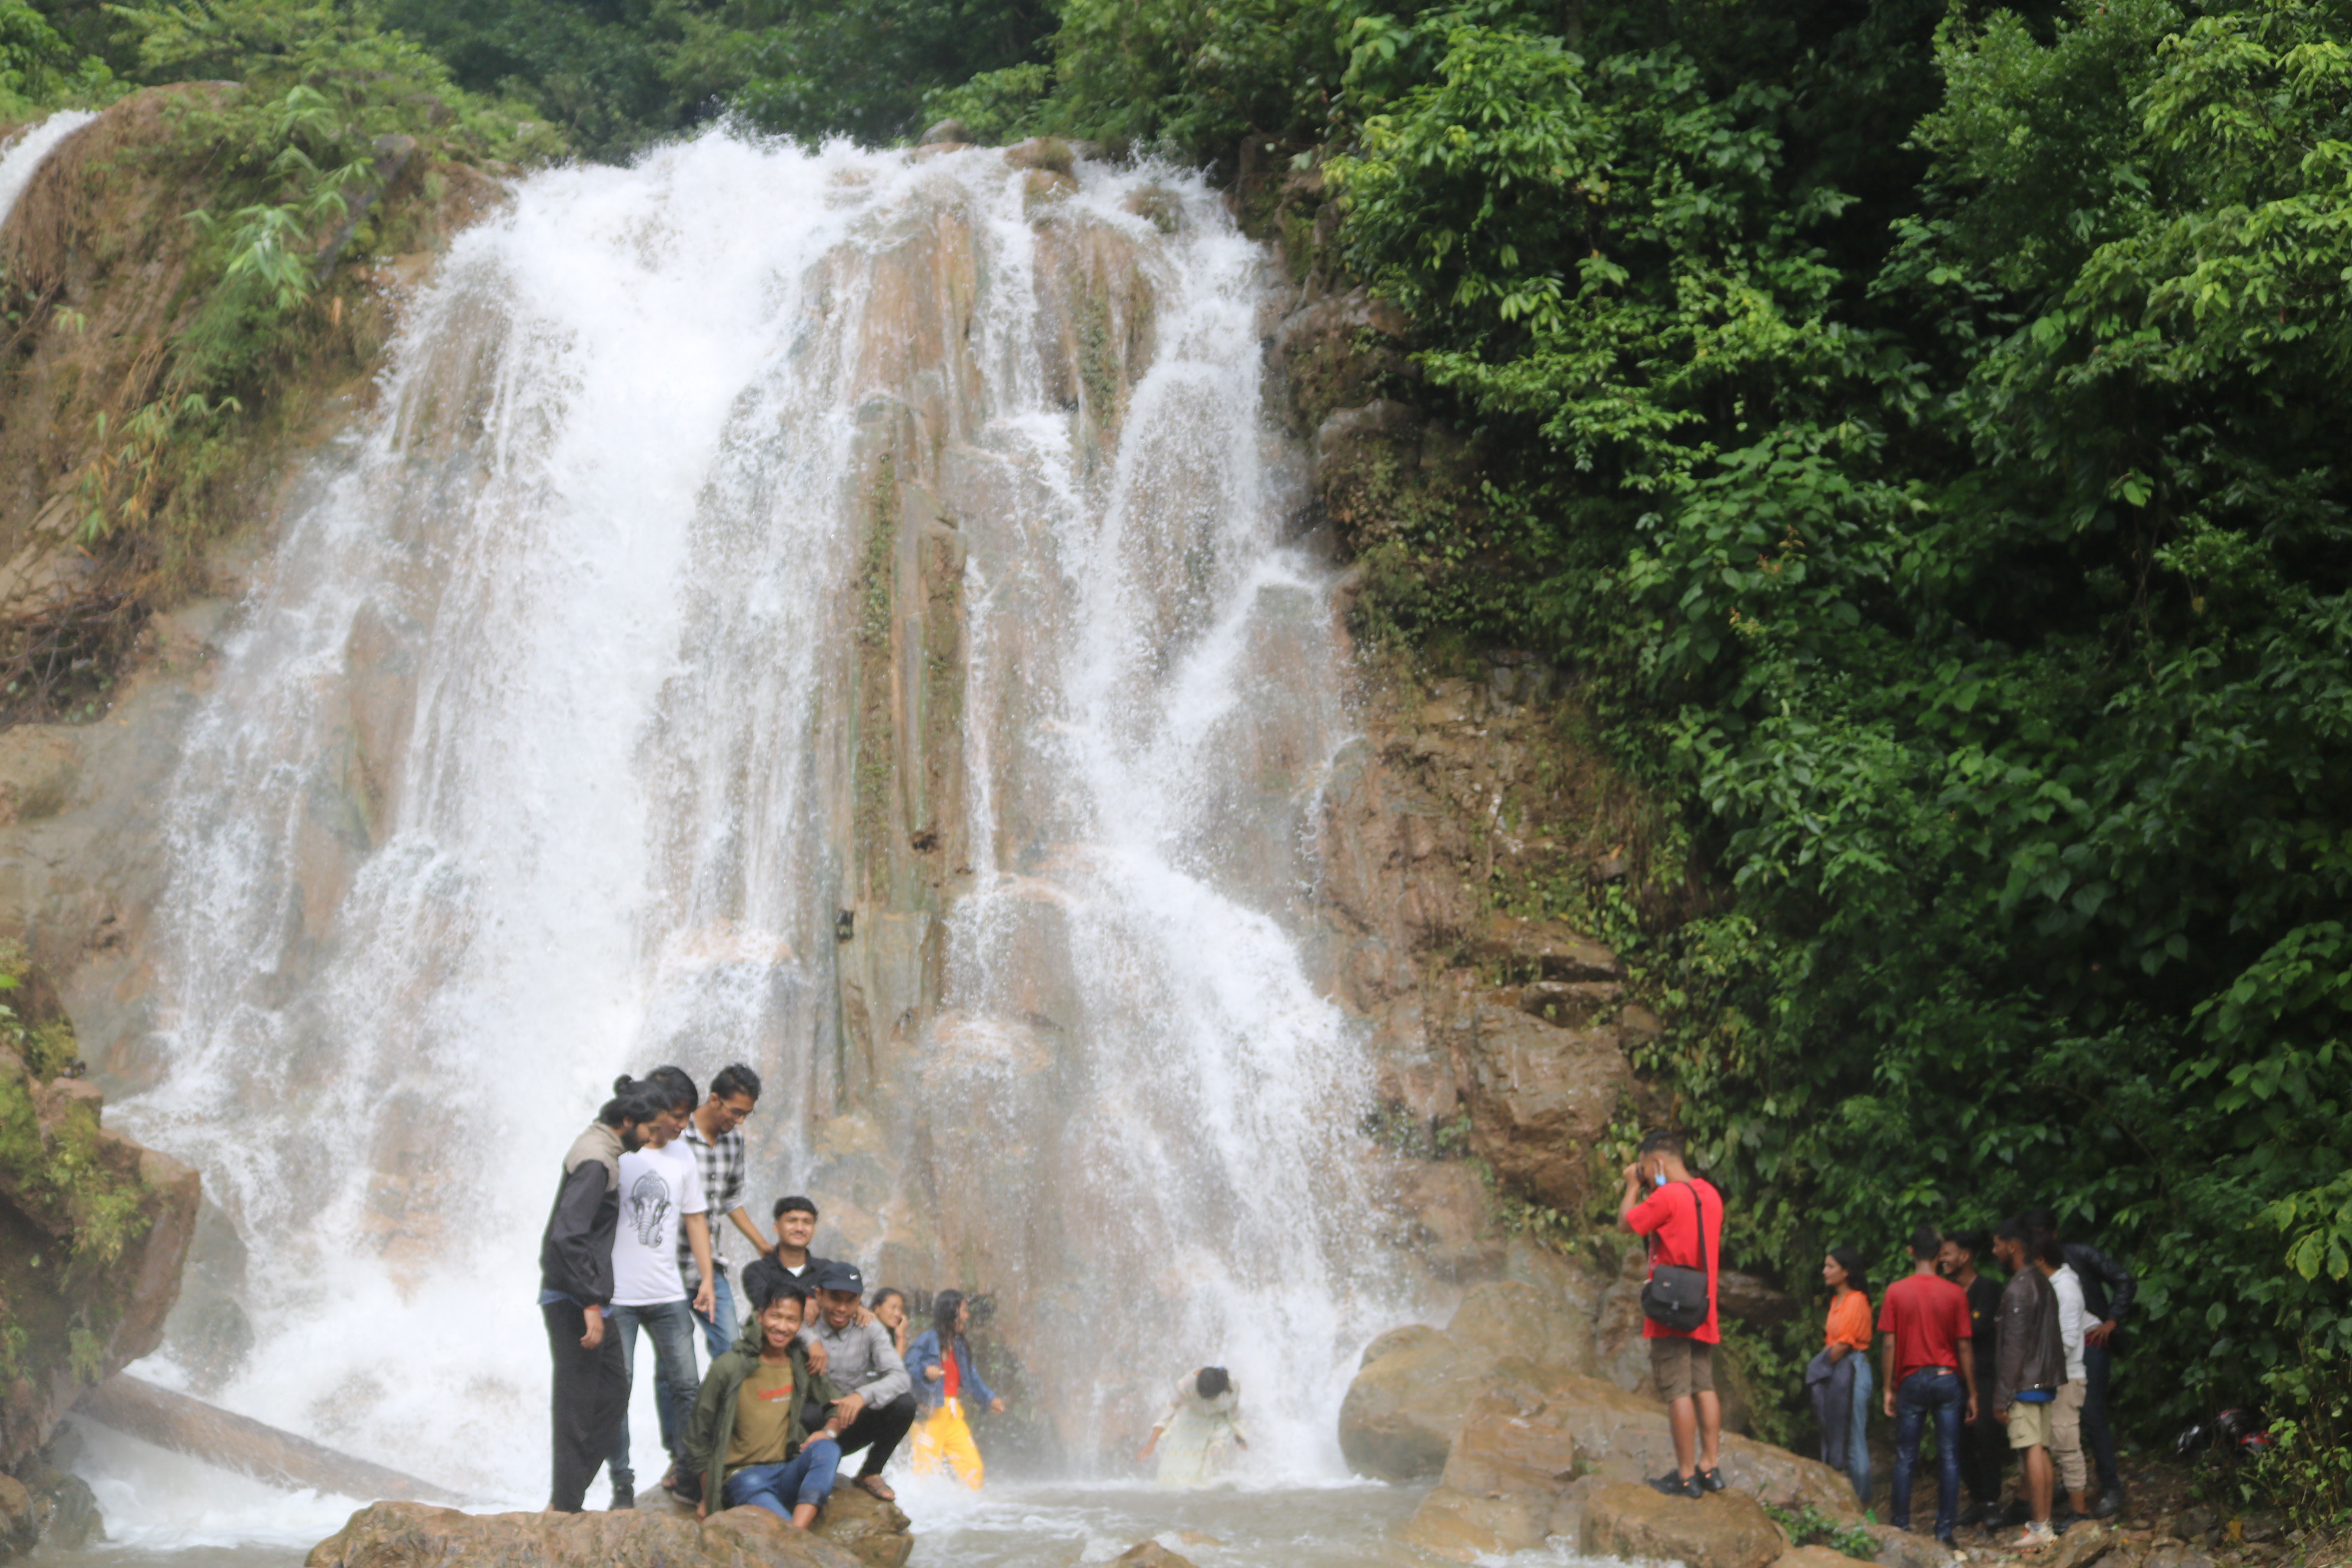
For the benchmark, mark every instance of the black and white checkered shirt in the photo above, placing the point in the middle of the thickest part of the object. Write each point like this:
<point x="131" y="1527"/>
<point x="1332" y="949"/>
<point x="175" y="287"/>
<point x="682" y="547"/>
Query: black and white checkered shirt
<point x="721" y="1166"/>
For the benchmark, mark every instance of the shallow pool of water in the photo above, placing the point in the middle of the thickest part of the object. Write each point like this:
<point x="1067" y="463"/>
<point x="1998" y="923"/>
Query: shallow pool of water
<point x="167" y="1510"/>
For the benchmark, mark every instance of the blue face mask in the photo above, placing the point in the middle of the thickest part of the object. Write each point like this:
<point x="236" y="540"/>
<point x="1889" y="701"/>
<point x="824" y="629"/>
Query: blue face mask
<point x="1659" y="1180"/>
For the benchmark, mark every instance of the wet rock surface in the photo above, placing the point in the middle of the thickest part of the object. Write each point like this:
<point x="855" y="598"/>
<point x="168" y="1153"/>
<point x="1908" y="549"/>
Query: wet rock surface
<point x="1728" y="1530"/>
<point x="1151" y="1554"/>
<point x="1416" y="1384"/>
<point x="1814" y="1557"/>
<point x="1541" y="1097"/>
<point x="94" y="1228"/>
<point x="415" y="1535"/>
<point x="877" y="1534"/>
<point x="1901" y="1549"/>
<point x="19" y="1524"/>
<point x="1522" y="1449"/>
<point x="63" y="1513"/>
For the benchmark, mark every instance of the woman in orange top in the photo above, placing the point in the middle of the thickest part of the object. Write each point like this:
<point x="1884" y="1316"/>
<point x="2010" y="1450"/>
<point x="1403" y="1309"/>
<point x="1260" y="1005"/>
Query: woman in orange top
<point x="1849" y="1336"/>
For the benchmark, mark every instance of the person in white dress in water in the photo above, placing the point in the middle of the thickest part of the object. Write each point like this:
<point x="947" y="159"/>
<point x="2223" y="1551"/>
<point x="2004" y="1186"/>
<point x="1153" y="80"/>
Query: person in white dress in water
<point x="1197" y="1437"/>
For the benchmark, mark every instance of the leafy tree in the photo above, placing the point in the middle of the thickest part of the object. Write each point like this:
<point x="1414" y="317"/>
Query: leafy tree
<point x="1981" y="592"/>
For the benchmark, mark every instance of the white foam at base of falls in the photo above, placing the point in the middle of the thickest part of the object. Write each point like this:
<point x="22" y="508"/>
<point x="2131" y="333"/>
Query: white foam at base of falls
<point x="525" y="766"/>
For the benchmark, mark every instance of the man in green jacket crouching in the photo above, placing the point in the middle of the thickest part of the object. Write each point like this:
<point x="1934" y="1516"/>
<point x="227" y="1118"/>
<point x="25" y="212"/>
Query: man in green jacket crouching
<point x="750" y="1440"/>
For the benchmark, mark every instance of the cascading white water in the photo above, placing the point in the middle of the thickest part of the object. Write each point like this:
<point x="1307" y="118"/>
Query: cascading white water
<point x="21" y="154"/>
<point x="539" y="756"/>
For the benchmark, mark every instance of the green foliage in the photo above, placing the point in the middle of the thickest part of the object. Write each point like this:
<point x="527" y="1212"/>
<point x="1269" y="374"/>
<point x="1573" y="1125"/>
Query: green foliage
<point x="1808" y="1526"/>
<point x="2309" y="1378"/>
<point x="864" y="69"/>
<point x="34" y="61"/>
<point x="997" y="107"/>
<point x="1195" y="78"/>
<point x="294" y="162"/>
<point x="619" y="74"/>
<point x="64" y="1170"/>
<point x="1974" y="578"/>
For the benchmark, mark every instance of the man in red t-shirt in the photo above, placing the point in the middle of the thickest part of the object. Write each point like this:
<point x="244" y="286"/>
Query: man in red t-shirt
<point x="1682" y="1216"/>
<point x="1931" y="1371"/>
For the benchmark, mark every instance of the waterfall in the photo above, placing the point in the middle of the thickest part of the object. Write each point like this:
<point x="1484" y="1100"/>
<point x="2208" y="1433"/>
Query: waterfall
<point x="829" y="611"/>
<point x="21" y="154"/>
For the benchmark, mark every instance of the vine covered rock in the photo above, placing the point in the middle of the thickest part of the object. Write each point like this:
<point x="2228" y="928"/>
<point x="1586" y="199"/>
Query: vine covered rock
<point x="94" y="1229"/>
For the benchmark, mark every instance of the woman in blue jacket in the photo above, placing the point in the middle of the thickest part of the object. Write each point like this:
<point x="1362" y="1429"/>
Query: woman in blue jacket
<point x="945" y="1380"/>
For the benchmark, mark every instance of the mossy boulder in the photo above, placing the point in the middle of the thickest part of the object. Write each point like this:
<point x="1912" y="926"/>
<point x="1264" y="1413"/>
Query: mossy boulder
<point x="94" y="1230"/>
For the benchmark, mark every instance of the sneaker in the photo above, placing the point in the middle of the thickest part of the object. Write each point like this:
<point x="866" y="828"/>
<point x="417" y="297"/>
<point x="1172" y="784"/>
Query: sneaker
<point x="1711" y="1480"/>
<point x="1972" y="1516"/>
<point x="2110" y="1504"/>
<point x="625" y="1496"/>
<point x="2019" y="1511"/>
<point x="2033" y="1538"/>
<point x="1675" y="1485"/>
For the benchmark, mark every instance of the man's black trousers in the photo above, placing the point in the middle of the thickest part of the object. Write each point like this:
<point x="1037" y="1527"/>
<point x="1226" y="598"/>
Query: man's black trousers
<point x="882" y="1428"/>
<point x="590" y="1395"/>
<point x="1984" y="1450"/>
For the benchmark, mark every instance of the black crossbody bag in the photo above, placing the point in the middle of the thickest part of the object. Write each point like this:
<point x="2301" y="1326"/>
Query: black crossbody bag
<point x="1675" y="1296"/>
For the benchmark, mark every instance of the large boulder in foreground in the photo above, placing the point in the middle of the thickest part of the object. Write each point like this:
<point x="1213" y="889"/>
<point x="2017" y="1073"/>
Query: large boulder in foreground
<point x="418" y="1535"/>
<point x="1416" y="1383"/>
<point x="1537" y="1446"/>
<point x="1728" y="1530"/>
<point x="874" y="1532"/>
<point x="1534" y="1451"/>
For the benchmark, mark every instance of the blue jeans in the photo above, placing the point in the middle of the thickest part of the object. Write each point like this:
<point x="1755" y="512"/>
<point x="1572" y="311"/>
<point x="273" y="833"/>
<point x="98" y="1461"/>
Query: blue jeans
<point x="722" y="1327"/>
<point x="806" y="1478"/>
<point x="1857" y="1444"/>
<point x="1921" y="1394"/>
<point x="670" y="1326"/>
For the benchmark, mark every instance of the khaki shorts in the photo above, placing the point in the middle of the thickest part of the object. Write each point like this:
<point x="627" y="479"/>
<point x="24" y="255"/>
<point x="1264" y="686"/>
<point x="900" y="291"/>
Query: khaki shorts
<point x="1682" y="1366"/>
<point x="2066" y="1436"/>
<point x="2028" y="1424"/>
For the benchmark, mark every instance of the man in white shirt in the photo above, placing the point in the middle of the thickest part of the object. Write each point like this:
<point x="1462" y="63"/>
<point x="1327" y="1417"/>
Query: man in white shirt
<point x="2066" y="1410"/>
<point x="661" y="1195"/>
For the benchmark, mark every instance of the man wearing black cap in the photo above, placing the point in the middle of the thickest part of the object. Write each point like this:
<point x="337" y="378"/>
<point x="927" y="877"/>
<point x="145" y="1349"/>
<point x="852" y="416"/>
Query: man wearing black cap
<point x="861" y="1358"/>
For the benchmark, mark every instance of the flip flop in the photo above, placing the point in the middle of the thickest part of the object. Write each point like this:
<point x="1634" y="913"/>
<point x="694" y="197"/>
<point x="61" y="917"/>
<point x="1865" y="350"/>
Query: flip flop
<point x="874" y="1486"/>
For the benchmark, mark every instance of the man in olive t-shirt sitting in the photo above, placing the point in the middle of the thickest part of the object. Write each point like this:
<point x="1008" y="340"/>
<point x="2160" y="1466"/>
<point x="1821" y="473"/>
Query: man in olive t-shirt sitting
<point x="750" y="1440"/>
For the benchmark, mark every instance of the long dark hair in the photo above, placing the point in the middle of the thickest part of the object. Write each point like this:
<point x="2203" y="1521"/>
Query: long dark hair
<point x="944" y="1307"/>
<point x="1850" y="1260"/>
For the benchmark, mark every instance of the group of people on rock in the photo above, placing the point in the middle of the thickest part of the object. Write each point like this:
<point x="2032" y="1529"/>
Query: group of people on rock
<point x="2046" y="1337"/>
<point x="815" y="1373"/>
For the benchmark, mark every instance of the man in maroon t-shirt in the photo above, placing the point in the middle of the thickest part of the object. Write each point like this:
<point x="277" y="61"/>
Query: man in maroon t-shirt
<point x="1931" y="1370"/>
<point x="1678" y="1210"/>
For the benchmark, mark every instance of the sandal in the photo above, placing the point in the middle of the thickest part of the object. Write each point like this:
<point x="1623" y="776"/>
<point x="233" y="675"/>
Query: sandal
<point x="875" y="1486"/>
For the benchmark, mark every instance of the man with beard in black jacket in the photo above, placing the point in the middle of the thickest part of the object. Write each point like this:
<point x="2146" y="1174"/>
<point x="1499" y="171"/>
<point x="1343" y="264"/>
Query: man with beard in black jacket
<point x="2107" y="1290"/>
<point x="1984" y="1443"/>
<point x="575" y="1286"/>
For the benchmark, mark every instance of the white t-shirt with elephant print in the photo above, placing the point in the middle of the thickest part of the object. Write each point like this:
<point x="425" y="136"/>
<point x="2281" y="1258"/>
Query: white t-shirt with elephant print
<point x="659" y="1188"/>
